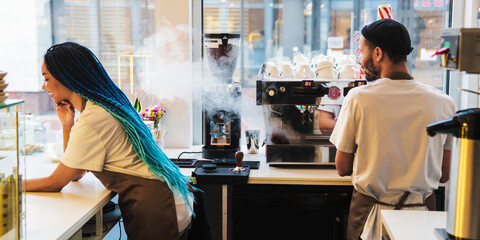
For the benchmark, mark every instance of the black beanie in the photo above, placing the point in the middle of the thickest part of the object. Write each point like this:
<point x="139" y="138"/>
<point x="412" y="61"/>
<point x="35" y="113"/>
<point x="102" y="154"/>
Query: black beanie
<point x="389" y="34"/>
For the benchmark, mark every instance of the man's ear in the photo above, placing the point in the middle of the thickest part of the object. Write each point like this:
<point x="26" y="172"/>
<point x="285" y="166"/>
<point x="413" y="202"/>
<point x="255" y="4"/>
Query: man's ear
<point x="378" y="54"/>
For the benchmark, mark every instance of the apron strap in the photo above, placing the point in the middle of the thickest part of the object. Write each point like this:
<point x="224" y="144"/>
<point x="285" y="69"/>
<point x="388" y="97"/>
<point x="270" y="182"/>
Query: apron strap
<point x="401" y="203"/>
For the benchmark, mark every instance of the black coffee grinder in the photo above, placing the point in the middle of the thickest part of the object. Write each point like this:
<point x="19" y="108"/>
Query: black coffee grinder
<point x="221" y="97"/>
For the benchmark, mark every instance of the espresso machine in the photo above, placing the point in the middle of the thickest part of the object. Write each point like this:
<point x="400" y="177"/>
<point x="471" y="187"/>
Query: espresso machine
<point x="221" y="98"/>
<point x="459" y="52"/>
<point x="289" y="109"/>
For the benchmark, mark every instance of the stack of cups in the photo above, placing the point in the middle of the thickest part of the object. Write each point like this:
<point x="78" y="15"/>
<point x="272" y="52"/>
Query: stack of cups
<point x="384" y="11"/>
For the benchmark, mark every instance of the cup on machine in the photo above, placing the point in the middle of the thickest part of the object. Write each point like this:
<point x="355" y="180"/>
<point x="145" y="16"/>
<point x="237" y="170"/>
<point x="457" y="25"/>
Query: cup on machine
<point x="272" y="71"/>
<point x="349" y="71"/>
<point x="304" y="71"/>
<point x="345" y="60"/>
<point x="252" y="138"/>
<point x="324" y="69"/>
<point x="286" y="70"/>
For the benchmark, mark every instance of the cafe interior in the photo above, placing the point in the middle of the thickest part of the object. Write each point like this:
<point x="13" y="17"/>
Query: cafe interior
<point x="233" y="93"/>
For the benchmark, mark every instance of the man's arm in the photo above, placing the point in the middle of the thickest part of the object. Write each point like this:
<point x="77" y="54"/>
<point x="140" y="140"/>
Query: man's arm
<point x="344" y="163"/>
<point x="447" y="155"/>
<point x="325" y="120"/>
<point x="56" y="181"/>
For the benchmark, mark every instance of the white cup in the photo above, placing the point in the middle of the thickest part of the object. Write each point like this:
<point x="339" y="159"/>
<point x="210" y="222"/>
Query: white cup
<point x="271" y="70"/>
<point x="315" y="60"/>
<point x="57" y="149"/>
<point x="349" y="71"/>
<point x="304" y="72"/>
<point x="298" y="60"/>
<point x="286" y="70"/>
<point x="324" y="69"/>
<point x="326" y="73"/>
<point x="345" y="60"/>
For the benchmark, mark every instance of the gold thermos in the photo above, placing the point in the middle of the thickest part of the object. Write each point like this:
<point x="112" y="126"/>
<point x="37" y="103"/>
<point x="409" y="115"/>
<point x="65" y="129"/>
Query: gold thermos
<point x="463" y="216"/>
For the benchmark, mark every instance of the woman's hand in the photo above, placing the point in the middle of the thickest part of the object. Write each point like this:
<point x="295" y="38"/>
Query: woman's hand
<point x="66" y="113"/>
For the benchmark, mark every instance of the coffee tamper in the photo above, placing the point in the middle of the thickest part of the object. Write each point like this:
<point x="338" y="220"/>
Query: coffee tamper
<point x="238" y="158"/>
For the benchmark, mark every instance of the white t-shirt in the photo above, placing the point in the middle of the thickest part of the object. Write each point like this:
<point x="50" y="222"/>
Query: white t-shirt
<point x="98" y="142"/>
<point x="384" y="124"/>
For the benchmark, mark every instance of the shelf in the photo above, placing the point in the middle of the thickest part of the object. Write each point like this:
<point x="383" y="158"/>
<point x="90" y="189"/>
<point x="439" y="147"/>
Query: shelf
<point x="110" y="219"/>
<point x="10" y="102"/>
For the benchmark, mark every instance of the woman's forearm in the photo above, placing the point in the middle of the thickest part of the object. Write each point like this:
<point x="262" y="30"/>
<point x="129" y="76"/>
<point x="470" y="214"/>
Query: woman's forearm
<point x="41" y="185"/>
<point x="56" y="181"/>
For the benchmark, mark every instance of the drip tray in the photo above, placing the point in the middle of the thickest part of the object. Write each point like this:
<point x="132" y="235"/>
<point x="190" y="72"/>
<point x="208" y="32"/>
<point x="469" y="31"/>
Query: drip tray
<point x="185" y="162"/>
<point x="221" y="162"/>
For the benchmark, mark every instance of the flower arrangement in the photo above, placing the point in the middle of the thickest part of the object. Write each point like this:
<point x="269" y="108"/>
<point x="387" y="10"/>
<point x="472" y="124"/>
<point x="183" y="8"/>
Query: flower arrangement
<point x="153" y="113"/>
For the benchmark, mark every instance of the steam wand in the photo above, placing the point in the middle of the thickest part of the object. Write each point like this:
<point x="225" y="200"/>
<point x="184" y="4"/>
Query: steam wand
<point x="238" y="158"/>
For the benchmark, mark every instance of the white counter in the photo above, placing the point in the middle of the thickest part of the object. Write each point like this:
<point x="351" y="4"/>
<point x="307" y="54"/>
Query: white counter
<point x="413" y="225"/>
<point x="273" y="175"/>
<point x="60" y="215"/>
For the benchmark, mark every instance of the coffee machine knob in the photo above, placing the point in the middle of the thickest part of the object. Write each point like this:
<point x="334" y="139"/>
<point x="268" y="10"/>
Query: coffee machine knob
<point x="270" y="92"/>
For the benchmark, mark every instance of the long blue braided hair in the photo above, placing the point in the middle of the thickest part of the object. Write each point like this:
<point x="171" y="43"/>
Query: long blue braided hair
<point x="78" y="69"/>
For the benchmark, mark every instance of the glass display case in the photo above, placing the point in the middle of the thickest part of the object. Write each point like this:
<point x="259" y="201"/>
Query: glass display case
<point x="12" y="170"/>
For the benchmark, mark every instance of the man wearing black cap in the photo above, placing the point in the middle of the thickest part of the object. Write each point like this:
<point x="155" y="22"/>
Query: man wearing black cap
<point x="380" y="134"/>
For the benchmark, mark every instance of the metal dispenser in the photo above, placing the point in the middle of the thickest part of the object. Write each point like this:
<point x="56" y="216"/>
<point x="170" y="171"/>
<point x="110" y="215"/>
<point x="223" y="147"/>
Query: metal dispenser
<point x="460" y="49"/>
<point x="463" y="217"/>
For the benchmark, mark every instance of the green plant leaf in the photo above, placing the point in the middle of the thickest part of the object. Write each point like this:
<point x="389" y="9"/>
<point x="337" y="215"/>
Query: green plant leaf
<point x="137" y="105"/>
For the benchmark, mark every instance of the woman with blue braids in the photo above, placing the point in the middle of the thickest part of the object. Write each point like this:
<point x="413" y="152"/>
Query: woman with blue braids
<point x="110" y="140"/>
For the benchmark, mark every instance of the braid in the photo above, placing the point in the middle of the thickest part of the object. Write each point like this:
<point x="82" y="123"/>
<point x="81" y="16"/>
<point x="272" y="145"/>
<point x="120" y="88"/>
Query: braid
<point x="78" y="69"/>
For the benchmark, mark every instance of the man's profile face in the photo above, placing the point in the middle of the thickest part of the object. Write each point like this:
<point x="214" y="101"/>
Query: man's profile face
<point x="366" y="61"/>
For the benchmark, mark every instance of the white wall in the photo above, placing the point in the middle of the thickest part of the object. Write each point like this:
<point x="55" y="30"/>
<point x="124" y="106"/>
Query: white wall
<point x="25" y="36"/>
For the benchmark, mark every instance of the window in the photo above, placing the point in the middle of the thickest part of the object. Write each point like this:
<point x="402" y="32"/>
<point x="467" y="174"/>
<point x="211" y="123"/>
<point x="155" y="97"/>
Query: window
<point x="273" y="30"/>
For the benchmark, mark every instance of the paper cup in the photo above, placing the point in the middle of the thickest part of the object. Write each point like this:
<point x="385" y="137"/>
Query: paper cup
<point x="384" y="11"/>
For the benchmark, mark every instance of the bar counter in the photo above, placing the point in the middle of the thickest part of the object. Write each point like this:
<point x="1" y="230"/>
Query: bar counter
<point x="273" y="175"/>
<point x="61" y="215"/>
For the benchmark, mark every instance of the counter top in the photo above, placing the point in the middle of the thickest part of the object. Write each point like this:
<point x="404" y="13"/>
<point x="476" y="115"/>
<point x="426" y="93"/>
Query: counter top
<point x="413" y="225"/>
<point x="59" y="215"/>
<point x="272" y="175"/>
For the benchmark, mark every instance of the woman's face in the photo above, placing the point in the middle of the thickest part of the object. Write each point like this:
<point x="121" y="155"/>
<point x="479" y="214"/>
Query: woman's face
<point x="54" y="88"/>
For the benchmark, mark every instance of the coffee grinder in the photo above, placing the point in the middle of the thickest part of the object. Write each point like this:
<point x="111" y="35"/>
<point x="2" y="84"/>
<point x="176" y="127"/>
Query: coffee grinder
<point x="221" y="97"/>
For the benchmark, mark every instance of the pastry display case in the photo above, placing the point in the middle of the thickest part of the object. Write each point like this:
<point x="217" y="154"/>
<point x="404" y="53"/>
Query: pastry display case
<point x="12" y="169"/>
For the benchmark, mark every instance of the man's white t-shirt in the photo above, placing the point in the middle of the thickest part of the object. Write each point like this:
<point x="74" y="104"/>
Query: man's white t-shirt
<point x="384" y="124"/>
<point x="98" y="142"/>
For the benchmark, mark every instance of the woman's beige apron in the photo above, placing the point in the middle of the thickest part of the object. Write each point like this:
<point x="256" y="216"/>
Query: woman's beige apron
<point x="362" y="204"/>
<point x="147" y="205"/>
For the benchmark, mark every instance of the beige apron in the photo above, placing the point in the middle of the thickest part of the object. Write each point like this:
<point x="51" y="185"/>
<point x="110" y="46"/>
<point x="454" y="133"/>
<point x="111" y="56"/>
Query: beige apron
<point x="362" y="204"/>
<point x="147" y="205"/>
